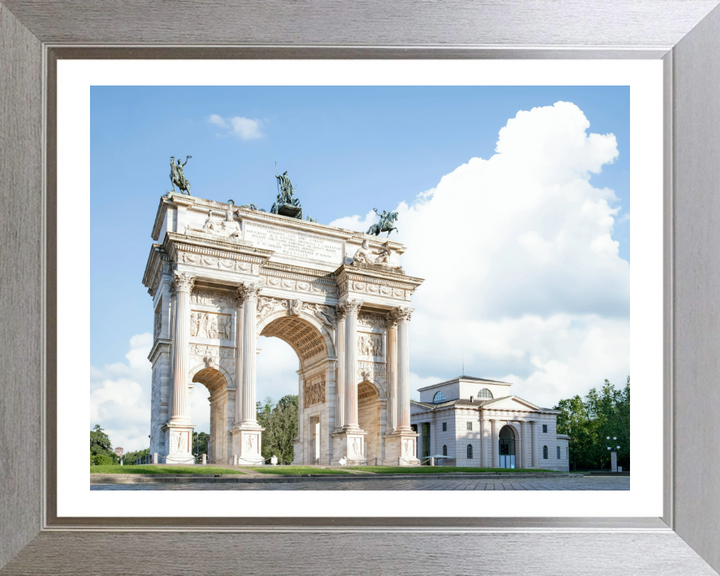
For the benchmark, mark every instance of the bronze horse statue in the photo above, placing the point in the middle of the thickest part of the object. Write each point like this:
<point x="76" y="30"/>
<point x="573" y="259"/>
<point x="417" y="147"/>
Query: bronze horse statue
<point x="385" y="224"/>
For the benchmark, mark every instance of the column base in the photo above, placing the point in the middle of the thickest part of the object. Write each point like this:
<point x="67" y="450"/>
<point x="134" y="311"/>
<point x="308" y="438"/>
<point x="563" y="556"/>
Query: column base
<point x="179" y="443"/>
<point x="246" y="442"/>
<point x="401" y="449"/>
<point x="350" y="445"/>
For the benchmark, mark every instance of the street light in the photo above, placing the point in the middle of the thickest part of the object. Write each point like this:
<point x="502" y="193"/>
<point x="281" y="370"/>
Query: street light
<point x="613" y="455"/>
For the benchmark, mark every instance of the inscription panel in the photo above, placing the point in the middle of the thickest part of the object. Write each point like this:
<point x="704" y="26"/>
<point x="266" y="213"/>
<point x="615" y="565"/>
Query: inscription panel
<point x="295" y="243"/>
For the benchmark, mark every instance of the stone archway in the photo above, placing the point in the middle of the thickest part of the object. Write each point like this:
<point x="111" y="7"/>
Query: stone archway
<point x="216" y="380"/>
<point x="371" y="410"/>
<point x="312" y="343"/>
<point x="340" y="299"/>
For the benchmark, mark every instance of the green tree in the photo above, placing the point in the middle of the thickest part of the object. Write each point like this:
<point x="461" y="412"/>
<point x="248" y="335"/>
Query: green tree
<point x="281" y="427"/>
<point x="200" y="445"/>
<point x="100" y="445"/>
<point x="130" y="457"/>
<point x="604" y="413"/>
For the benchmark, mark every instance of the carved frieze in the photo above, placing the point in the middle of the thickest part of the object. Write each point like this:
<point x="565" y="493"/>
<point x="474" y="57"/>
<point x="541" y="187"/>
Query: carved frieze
<point x="314" y="391"/>
<point x="208" y="350"/>
<point x="216" y="262"/>
<point x="209" y="325"/>
<point x="371" y="320"/>
<point x="298" y="284"/>
<point x="213" y="298"/>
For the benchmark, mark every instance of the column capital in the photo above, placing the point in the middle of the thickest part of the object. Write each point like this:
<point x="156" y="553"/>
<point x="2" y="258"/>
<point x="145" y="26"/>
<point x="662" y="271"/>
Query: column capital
<point x="183" y="282"/>
<point x="351" y="307"/>
<point x="390" y="319"/>
<point x="403" y="313"/>
<point x="247" y="291"/>
<point x="340" y="311"/>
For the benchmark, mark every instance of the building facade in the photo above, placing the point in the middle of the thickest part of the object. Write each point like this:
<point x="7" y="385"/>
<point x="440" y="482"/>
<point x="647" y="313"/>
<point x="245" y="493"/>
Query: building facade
<point x="478" y="422"/>
<point x="220" y="276"/>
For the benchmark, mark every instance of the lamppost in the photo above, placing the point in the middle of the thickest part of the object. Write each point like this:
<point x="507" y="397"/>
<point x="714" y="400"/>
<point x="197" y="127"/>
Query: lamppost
<point x="613" y="454"/>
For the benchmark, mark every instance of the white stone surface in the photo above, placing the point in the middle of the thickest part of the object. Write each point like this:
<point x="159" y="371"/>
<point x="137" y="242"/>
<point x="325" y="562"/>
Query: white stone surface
<point x="302" y="281"/>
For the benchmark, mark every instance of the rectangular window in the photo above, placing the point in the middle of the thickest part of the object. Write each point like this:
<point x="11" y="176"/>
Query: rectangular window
<point x="469" y="425"/>
<point x="444" y="426"/>
<point x="545" y="428"/>
<point x="558" y="451"/>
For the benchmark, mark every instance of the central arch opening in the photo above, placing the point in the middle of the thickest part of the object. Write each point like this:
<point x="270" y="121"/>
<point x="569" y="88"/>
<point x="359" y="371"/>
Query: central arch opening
<point x="369" y="419"/>
<point x="295" y="362"/>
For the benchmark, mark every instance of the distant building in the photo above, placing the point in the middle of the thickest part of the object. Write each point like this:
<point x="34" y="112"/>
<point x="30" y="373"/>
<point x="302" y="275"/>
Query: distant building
<point x="119" y="452"/>
<point x="477" y="422"/>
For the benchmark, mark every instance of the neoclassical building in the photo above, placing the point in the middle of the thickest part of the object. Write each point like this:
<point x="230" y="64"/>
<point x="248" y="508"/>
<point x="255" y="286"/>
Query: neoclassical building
<point x="220" y="276"/>
<point x="478" y="422"/>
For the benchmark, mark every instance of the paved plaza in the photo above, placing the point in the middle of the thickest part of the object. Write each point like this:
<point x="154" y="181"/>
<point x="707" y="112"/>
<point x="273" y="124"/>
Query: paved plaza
<point x="572" y="482"/>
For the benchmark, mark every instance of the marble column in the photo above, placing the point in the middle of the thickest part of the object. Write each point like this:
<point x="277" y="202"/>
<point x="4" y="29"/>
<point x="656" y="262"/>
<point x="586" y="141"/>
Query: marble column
<point x="495" y="441"/>
<point x="183" y="284"/>
<point x="403" y="369"/>
<point x="178" y="429"/>
<point x="249" y="345"/>
<point x="341" y="361"/>
<point x="391" y="366"/>
<point x="526" y="444"/>
<point x="533" y="441"/>
<point x="247" y="434"/>
<point x="352" y="308"/>
<point x="239" y="327"/>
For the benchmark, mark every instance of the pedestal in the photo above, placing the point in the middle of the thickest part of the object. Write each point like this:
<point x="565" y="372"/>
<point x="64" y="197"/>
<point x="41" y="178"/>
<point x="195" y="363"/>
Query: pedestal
<point x="349" y="444"/>
<point x="246" y="446"/>
<point x="179" y="443"/>
<point x="401" y="449"/>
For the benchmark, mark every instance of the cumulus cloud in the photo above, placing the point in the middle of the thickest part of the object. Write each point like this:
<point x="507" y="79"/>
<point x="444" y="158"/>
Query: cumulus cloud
<point x="120" y="396"/>
<point x="245" y="128"/>
<point x="522" y="276"/>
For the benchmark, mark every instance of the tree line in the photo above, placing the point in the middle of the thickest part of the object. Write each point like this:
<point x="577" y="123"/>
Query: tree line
<point x="590" y="421"/>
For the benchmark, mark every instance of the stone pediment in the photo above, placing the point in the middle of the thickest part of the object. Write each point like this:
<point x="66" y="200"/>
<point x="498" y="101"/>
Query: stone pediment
<point x="510" y="403"/>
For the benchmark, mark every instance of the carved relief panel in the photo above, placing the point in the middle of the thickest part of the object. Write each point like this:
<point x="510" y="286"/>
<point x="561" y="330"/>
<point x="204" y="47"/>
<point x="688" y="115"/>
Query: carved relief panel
<point x="210" y="325"/>
<point x="314" y="391"/>
<point x="158" y="321"/>
<point x="370" y="344"/>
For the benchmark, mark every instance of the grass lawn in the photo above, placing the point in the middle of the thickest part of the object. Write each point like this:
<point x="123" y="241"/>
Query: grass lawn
<point x="152" y="469"/>
<point x="296" y="470"/>
<point x="437" y="469"/>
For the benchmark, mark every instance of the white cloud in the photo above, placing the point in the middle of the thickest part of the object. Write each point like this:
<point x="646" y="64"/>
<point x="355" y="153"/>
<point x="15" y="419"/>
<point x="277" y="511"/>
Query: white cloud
<point x="523" y="277"/>
<point x="120" y="396"/>
<point x="355" y="222"/>
<point x="245" y="128"/>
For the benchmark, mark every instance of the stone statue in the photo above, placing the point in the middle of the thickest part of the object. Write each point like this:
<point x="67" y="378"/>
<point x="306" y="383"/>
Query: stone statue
<point x="286" y="205"/>
<point x="384" y="255"/>
<point x="386" y="223"/>
<point x="177" y="176"/>
<point x="363" y="254"/>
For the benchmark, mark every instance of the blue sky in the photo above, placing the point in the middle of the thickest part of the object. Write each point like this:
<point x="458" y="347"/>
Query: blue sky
<point x="346" y="149"/>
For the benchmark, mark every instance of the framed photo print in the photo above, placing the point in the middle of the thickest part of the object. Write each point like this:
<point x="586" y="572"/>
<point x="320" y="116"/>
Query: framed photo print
<point x="357" y="296"/>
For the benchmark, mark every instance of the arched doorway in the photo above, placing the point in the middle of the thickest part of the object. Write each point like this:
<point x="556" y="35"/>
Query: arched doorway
<point x="312" y="342"/>
<point x="216" y="381"/>
<point x="370" y="417"/>
<point x="507" y="447"/>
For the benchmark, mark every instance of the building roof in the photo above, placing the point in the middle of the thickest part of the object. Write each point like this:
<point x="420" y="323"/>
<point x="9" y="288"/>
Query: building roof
<point x="470" y="378"/>
<point x="430" y="406"/>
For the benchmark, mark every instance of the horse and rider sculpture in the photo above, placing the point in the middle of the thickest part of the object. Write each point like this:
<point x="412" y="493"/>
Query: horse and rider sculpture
<point x="285" y="204"/>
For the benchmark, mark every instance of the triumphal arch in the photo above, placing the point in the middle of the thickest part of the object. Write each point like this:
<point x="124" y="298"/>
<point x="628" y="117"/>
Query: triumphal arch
<point x="222" y="275"/>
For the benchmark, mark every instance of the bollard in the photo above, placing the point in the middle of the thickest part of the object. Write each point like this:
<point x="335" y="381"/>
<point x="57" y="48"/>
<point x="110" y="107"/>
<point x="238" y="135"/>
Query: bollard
<point x="155" y="458"/>
<point x="235" y="459"/>
<point x="204" y="460"/>
<point x="432" y="461"/>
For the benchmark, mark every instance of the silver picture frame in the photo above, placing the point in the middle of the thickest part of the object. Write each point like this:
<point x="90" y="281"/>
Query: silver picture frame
<point x="34" y="36"/>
